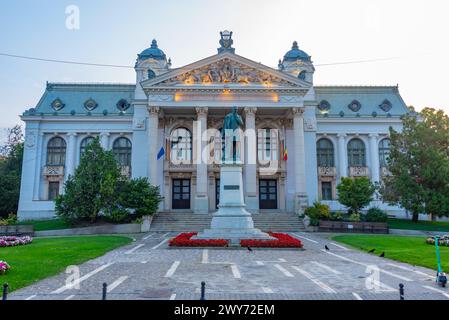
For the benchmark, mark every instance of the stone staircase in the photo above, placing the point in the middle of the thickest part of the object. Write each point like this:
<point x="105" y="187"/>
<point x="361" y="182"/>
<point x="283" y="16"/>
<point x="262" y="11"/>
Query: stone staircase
<point x="184" y="222"/>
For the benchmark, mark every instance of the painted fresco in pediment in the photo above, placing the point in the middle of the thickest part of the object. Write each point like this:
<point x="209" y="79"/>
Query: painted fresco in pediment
<point x="226" y="71"/>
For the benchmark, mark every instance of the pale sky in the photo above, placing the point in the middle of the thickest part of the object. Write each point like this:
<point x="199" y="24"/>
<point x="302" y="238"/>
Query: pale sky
<point x="415" y="33"/>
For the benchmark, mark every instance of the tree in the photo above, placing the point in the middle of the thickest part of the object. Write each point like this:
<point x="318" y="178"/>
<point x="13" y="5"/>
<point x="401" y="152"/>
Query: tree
<point x="11" y="154"/>
<point x="355" y="193"/>
<point x="140" y="196"/>
<point x="91" y="191"/>
<point x="419" y="165"/>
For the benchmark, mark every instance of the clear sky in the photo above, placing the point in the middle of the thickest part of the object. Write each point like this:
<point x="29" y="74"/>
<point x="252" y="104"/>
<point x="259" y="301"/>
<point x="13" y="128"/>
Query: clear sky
<point x="415" y="33"/>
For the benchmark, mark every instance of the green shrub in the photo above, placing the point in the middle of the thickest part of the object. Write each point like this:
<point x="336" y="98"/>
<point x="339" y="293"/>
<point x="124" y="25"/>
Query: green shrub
<point x="11" y="220"/>
<point x="376" y="215"/>
<point x="139" y="196"/>
<point x="355" y="217"/>
<point x="317" y="212"/>
<point x="355" y="193"/>
<point x="336" y="216"/>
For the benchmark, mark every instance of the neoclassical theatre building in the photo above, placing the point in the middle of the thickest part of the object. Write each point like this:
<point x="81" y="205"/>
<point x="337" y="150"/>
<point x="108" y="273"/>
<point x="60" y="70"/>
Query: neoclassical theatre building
<point x="314" y="135"/>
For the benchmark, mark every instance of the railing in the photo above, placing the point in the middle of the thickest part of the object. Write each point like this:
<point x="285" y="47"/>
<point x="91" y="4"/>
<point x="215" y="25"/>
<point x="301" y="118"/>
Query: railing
<point x="358" y="171"/>
<point x="53" y="171"/>
<point x="327" y="171"/>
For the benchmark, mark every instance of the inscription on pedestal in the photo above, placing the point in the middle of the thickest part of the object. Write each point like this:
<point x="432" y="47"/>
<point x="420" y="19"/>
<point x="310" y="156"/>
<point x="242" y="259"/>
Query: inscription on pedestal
<point x="232" y="187"/>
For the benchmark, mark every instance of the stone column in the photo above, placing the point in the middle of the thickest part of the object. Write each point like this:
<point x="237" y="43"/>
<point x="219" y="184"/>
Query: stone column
<point x="38" y="168"/>
<point x="301" y="201"/>
<point x="342" y="156"/>
<point x="71" y="155"/>
<point x="153" y="139"/>
<point x="251" y="200"/>
<point x="104" y="140"/>
<point x="374" y="153"/>
<point x="201" y="196"/>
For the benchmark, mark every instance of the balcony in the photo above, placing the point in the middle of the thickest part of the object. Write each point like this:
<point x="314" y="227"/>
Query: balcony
<point x="327" y="171"/>
<point x="182" y="167"/>
<point x="53" y="171"/>
<point x="125" y="171"/>
<point x="385" y="172"/>
<point x="358" y="171"/>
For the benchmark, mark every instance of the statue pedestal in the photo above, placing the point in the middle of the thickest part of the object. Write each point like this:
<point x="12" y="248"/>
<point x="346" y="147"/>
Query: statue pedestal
<point x="232" y="222"/>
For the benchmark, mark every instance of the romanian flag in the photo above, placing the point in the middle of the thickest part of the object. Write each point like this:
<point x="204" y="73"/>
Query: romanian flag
<point x="285" y="154"/>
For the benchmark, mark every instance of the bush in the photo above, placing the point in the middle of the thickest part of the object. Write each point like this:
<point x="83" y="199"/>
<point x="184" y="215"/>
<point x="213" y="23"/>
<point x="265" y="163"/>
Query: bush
<point x="336" y="216"/>
<point x="376" y="215"/>
<point x="139" y="196"/>
<point x="317" y="212"/>
<point x="11" y="220"/>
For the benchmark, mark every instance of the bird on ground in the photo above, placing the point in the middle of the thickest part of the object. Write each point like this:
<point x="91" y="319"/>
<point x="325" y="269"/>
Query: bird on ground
<point x="372" y="251"/>
<point x="382" y="255"/>
<point x="249" y="249"/>
<point x="327" y="248"/>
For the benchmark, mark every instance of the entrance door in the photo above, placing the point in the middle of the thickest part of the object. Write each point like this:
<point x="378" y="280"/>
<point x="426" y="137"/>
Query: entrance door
<point x="181" y="194"/>
<point x="217" y="192"/>
<point x="268" y="194"/>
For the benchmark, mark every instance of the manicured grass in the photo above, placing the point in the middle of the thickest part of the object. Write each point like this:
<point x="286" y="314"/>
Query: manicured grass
<point x="45" y="225"/>
<point x="46" y="257"/>
<point x="412" y="250"/>
<point x="421" y="225"/>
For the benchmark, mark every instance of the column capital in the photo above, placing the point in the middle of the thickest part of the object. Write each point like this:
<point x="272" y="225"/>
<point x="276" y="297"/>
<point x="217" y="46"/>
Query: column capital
<point x="373" y="135"/>
<point x="105" y="134"/>
<point x="201" y="111"/>
<point x="297" y="111"/>
<point x="341" y="135"/>
<point x="154" y="110"/>
<point x="72" y="134"/>
<point x="250" y="110"/>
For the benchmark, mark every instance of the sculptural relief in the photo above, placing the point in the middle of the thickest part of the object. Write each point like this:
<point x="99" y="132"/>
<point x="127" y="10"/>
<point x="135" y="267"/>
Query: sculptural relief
<point x="225" y="71"/>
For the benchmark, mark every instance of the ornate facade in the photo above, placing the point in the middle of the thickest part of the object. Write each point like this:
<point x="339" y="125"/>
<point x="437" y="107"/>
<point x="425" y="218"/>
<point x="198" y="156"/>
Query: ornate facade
<point x="299" y="139"/>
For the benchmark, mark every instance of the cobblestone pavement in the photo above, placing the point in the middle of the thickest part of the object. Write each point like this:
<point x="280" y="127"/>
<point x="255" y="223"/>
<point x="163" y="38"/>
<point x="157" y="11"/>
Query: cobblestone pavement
<point x="148" y="269"/>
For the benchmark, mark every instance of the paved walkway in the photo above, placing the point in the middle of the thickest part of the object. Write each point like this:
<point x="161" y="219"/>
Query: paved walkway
<point x="148" y="269"/>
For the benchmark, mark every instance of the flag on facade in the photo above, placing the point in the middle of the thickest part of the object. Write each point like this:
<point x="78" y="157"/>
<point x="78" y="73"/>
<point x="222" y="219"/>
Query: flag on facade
<point x="285" y="154"/>
<point x="161" y="153"/>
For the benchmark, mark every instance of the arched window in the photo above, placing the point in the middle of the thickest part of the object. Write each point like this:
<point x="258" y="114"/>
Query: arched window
<point x="384" y="152"/>
<point x="56" y="150"/>
<point x="356" y="153"/>
<point x="268" y="144"/>
<point x="302" y="75"/>
<point x="181" y="145"/>
<point x="122" y="149"/>
<point x="84" y="144"/>
<point x="325" y="153"/>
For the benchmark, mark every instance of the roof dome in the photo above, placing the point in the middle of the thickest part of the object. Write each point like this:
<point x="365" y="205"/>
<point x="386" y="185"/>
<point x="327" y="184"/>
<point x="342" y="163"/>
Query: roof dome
<point x="296" y="54"/>
<point x="153" y="52"/>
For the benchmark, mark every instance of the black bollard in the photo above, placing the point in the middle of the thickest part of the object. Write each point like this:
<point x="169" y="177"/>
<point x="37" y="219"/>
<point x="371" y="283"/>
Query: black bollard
<point x="203" y="291"/>
<point x="5" y="292"/>
<point x="401" y="291"/>
<point x="105" y="291"/>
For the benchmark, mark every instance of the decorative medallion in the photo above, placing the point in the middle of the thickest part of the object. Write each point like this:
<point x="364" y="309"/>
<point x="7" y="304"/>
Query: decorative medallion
<point x="57" y="104"/>
<point x="90" y="104"/>
<point x="123" y="105"/>
<point x="324" y="106"/>
<point x="355" y="106"/>
<point x="386" y="105"/>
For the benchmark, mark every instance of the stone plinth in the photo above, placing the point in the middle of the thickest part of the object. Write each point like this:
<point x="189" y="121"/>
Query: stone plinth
<point x="232" y="221"/>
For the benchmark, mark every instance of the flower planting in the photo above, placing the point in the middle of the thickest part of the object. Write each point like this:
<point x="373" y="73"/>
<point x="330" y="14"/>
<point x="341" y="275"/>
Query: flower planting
<point x="15" y="241"/>
<point x="442" y="241"/>
<point x="4" y="267"/>
<point x="283" y="241"/>
<point x="185" y="240"/>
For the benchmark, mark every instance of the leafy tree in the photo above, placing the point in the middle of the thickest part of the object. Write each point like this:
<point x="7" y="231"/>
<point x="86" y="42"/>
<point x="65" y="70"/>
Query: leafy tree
<point x="419" y="165"/>
<point x="140" y="196"/>
<point x="11" y="154"/>
<point x="90" y="192"/>
<point x="355" y="193"/>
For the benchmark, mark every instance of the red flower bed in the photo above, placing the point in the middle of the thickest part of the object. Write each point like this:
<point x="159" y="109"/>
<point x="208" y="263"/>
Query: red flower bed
<point x="283" y="241"/>
<point x="184" y="240"/>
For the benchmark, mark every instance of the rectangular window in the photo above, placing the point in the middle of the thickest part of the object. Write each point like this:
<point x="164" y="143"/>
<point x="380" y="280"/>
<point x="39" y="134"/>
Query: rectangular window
<point x="326" y="191"/>
<point x="53" y="190"/>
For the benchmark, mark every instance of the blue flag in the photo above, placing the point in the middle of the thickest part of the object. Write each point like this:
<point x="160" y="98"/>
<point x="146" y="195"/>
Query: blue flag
<point x="161" y="153"/>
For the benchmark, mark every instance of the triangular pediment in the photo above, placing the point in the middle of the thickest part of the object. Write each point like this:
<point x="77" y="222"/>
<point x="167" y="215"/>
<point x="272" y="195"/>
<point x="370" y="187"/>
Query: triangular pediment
<point x="225" y="69"/>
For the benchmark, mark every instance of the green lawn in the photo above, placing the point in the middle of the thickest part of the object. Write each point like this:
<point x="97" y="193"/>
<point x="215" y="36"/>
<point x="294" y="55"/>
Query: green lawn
<point x="49" y="256"/>
<point x="421" y="225"/>
<point x="412" y="250"/>
<point x="44" y="225"/>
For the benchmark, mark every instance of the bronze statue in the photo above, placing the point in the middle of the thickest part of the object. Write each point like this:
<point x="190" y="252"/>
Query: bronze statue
<point x="232" y="126"/>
